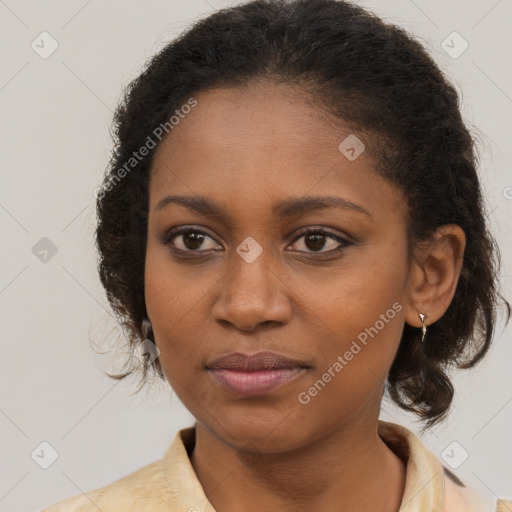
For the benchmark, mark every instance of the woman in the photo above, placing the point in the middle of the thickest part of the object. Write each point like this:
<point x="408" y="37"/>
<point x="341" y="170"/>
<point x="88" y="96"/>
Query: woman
<point x="293" y="216"/>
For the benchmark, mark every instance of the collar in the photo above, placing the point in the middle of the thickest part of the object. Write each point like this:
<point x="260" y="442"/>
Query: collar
<point x="424" y="483"/>
<point x="424" y="478"/>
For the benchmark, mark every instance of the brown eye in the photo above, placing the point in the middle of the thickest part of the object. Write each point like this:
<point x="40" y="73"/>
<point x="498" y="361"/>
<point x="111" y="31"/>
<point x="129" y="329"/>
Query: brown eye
<point x="189" y="240"/>
<point x="318" y="239"/>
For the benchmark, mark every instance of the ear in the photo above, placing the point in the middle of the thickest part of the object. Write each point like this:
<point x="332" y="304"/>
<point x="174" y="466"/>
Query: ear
<point x="434" y="274"/>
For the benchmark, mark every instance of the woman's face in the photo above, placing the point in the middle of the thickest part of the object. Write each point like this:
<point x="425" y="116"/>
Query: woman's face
<point x="251" y="277"/>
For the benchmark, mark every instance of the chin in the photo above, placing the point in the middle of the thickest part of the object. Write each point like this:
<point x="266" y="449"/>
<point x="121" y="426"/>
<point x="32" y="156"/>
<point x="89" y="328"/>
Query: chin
<point x="252" y="433"/>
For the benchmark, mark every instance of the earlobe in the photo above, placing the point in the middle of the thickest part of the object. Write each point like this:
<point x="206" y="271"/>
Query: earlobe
<point x="434" y="275"/>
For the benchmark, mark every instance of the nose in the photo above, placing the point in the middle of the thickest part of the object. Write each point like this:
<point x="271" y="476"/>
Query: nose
<point x="252" y="294"/>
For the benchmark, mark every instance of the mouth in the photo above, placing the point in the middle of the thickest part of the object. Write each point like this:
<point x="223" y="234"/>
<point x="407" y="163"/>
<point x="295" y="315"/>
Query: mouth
<point x="257" y="374"/>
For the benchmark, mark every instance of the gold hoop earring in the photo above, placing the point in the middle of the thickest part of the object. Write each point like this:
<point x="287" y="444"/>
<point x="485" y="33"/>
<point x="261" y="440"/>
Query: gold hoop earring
<point x="423" y="327"/>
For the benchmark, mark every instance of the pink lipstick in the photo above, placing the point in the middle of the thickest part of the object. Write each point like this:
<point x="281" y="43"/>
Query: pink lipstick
<point x="255" y="374"/>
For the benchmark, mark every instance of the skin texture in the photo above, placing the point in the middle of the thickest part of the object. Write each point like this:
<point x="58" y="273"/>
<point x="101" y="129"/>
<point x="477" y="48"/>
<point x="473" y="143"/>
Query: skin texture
<point x="246" y="149"/>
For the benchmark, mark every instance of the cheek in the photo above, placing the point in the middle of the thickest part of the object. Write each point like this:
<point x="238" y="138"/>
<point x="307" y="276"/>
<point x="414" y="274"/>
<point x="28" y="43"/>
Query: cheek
<point x="171" y="290"/>
<point x="363" y="311"/>
<point x="178" y="301"/>
<point x="369" y="289"/>
<point x="167" y="305"/>
<point x="355" y="361"/>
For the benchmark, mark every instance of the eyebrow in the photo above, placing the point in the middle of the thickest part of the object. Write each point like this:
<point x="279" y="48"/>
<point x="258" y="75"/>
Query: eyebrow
<point x="282" y="210"/>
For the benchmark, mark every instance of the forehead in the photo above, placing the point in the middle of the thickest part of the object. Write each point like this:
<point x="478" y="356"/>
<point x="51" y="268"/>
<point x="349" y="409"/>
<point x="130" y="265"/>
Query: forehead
<point x="261" y="117"/>
<point x="228" y="126"/>
<point x="259" y="141"/>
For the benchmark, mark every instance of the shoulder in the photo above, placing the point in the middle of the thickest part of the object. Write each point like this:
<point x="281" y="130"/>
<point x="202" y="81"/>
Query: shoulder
<point x="443" y="490"/>
<point x="166" y="485"/>
<point x="145" y="487"/>
<point x="459" y="498"/>
<point x="504" y="506"/>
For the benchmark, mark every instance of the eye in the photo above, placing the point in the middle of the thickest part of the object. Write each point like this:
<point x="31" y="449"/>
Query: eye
<point x="189" y="240"/>
<point x="317" y="239"/>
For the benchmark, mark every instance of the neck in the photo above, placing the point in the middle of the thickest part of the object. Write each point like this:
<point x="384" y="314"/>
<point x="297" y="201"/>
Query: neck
<point x="350" y="467"/>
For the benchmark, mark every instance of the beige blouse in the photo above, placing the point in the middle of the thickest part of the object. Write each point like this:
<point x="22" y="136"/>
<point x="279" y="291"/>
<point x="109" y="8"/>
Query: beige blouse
<point x="171" y="485"/>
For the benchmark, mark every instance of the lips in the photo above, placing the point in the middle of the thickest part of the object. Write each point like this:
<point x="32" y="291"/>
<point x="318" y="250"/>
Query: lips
<point x="256" y="362"/>
<point x="256" y="374"/>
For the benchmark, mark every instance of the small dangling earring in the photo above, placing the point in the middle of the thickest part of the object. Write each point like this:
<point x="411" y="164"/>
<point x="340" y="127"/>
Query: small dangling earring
<point x="148" y="349"/>
<point x="423" y="327"/>
<point x="146" y="328"/>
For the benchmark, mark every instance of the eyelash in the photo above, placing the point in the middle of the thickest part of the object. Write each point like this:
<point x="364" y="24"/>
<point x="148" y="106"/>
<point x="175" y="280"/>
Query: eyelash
<point x="168" y="237"/>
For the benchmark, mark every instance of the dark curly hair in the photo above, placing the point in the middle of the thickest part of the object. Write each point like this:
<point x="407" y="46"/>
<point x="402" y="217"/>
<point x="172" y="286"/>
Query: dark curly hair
<point x="370" y="75"/>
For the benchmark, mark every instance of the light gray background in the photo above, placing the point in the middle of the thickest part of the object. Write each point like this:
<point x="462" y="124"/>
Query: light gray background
<point x="56" y="114"/>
